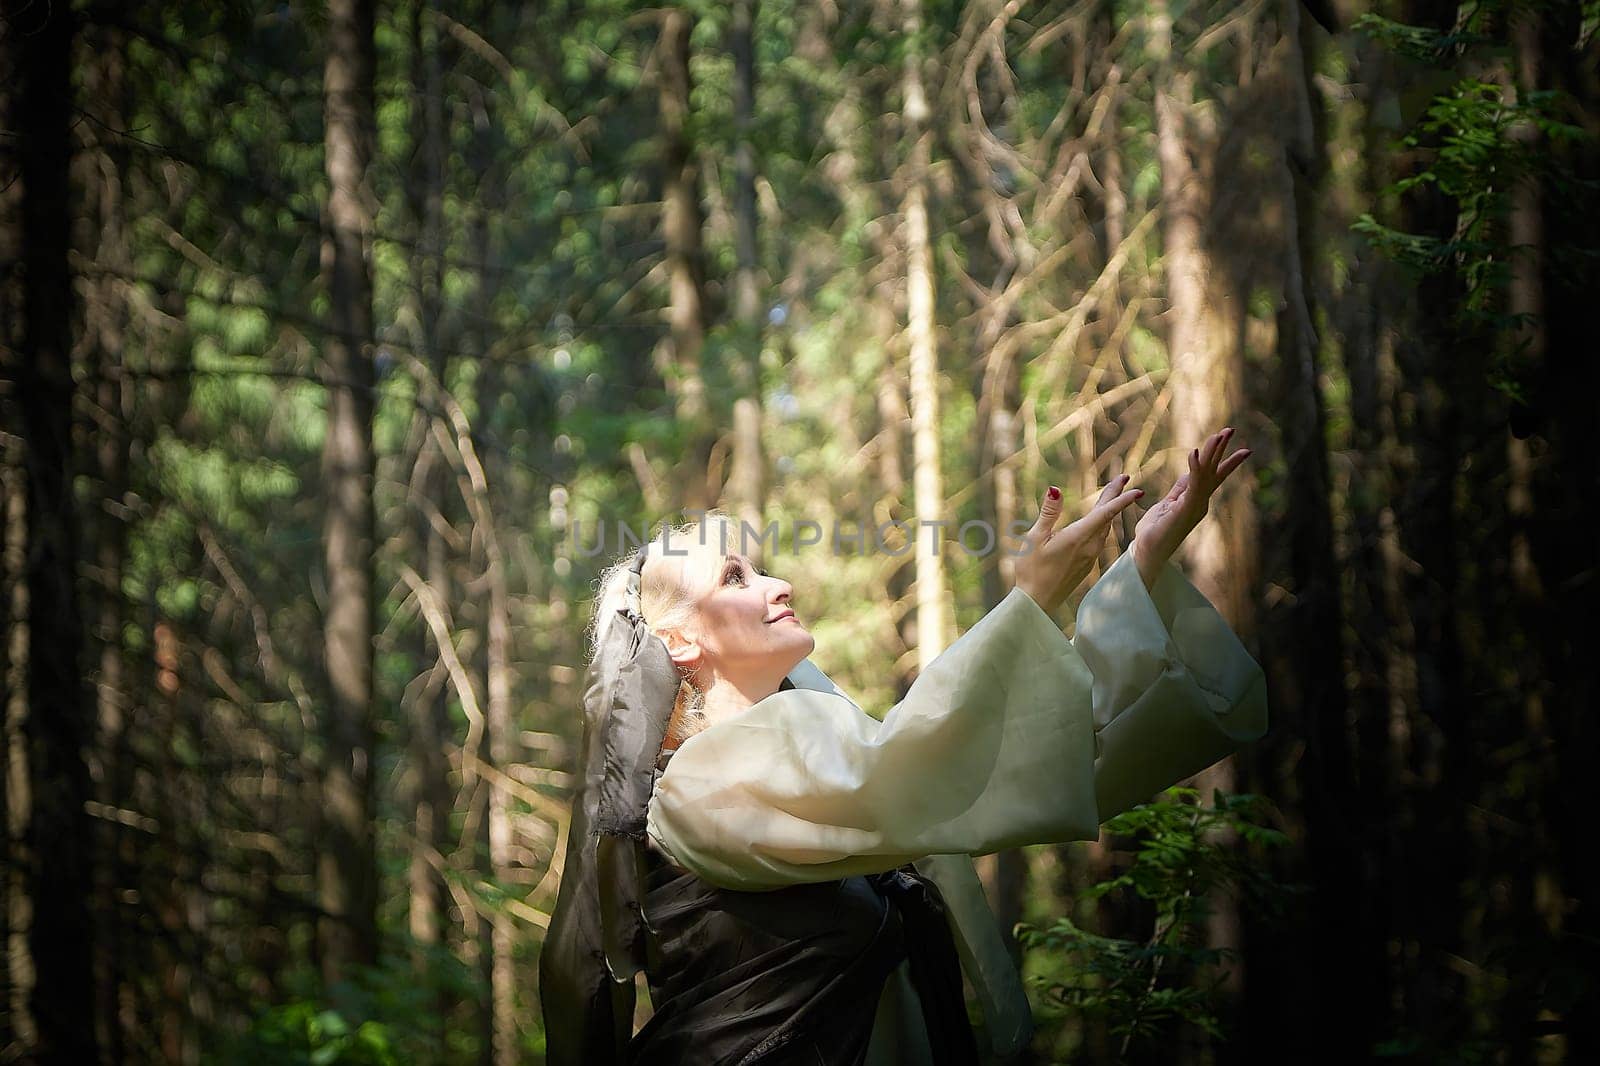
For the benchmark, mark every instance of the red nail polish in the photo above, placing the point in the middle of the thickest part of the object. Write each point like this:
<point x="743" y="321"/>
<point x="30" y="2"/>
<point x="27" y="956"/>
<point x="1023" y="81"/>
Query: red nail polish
<point x="1054" y="493"/>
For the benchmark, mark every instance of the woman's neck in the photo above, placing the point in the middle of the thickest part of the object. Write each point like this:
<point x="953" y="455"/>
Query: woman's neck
<point x="726" y="697"/>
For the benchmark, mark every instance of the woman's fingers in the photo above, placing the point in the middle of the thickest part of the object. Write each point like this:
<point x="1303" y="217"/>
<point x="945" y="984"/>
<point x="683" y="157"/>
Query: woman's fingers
<point x="1049" y="512"/>
<point x="1210" y="464"/>
<point x="1115" y="498"/>
<point x="1050" y="507"/>
<point x="1214" y="446"/>
<point x="1094" y="525"/>
<point x="1110" y="506"/>
<point x="1119" y="503"/>
<point x="1110" y="492"/>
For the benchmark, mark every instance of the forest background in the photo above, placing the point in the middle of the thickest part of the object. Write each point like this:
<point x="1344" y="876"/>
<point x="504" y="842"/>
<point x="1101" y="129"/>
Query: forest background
<point x="324" y="323"/>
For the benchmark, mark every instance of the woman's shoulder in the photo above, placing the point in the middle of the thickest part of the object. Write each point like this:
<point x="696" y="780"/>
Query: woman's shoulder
<point x="789" y="721"/>
<point x="807" y="677"/>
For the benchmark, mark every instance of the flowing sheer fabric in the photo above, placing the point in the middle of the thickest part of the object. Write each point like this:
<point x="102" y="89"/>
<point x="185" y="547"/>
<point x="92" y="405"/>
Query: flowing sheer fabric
<point x="1014" y="735"/>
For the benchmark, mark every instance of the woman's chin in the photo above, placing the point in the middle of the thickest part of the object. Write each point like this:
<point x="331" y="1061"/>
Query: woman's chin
<point x="802" y="649"/>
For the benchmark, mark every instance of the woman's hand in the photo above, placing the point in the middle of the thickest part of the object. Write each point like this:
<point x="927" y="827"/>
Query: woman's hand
<point x="1052" y="562"/>
<point x="1164" y="526"/>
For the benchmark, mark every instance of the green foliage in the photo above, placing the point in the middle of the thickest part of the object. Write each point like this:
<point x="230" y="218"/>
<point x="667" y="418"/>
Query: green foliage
<point x="1479" y="145"/>
<point x="386" y="1015"/>
<point x="1418" y="42"/>
<point x="1476" y="143"/>
<point x="301" y="1032"/>
<point x="1184" y="855"/>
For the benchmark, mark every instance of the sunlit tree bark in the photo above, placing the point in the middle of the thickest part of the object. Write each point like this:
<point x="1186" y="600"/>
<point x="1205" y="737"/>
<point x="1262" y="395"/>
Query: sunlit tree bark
<point x="993" y="262"/>
<point x="922" y="342"/>
<point x="893" y="418"/>
<point x="1202" y="371"/>
<point x="1203" y="358"/>
<point x="681" y="225"/>
<point x="746" y="481"/>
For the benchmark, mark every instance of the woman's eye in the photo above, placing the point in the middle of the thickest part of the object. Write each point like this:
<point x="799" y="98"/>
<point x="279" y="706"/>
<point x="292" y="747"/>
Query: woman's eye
<point x="733" y="577"/>
<point x="762" y="571"/>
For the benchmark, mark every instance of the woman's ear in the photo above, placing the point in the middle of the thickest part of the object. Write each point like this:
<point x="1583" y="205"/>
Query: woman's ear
<point x="686" y="653"/>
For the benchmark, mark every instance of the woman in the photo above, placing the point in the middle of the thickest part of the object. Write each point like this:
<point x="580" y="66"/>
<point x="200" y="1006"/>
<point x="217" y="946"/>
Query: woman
<point x="778" y="913"/>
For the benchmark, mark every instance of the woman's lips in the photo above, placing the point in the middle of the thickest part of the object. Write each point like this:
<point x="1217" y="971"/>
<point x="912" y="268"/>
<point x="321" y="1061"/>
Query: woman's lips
<point x="786" y="616"/>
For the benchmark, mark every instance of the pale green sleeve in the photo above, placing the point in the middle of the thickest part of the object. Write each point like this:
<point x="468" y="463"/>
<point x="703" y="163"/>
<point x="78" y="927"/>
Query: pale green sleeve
<point x="1174" y="689"/>
<point x="1006" y="739"/>
<point x="992" y="747"/>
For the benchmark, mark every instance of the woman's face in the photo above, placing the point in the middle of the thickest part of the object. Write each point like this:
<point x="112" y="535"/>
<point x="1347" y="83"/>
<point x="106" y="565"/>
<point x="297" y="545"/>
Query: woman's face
<point x="746" y="628"/>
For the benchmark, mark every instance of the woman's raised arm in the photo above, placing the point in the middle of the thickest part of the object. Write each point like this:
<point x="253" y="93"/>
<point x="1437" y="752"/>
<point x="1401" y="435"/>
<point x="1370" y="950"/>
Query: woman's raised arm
<point x="1176" y="514"/>
<point x="1014" y="735"/>
<point x="992" y="747"/>
<point x="1174" y="689"/>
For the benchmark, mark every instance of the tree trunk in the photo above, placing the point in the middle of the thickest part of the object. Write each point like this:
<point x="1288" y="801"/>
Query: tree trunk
<point x="1371" y="625"/>
<point x="1115" y="198"/>
<point x="1432" y="361"/>
<point x="347" y="866"/>
<point x="927" y="480"/>
<point x="16" y="971"/>
<point x="996" y="393"/>
<point x="105" y="319"/>
<point x="1565" y="549"/>
<point x="1203" y="374"/>
<point x="1364" y="319"/>
<point x="1535" y="911"/>
<point x="499" y="751"/>
<point x="172" y="907"/>
<point x="16" y="1027"/>
<point x="429" y="798"/>
<point x="197" y="823"/>
<point x="892" y="420"/>
<point x="1335" y="837"/>
<point x="500" y="735"/>
<point x="499" y="728"/>
<point x="1204" y="379"/>
<point x="59" y="724"/>
<point x="746" y="480"/>
<point x="1005" y="873"/>
<point x="679" y="361"/>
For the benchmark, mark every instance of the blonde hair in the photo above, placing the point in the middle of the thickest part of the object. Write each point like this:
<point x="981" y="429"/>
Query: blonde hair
<point x="677" y="559"/>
